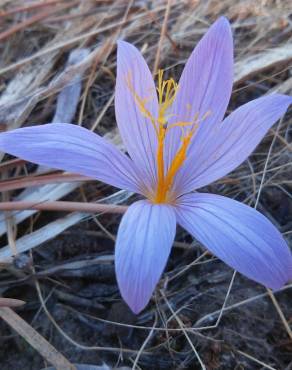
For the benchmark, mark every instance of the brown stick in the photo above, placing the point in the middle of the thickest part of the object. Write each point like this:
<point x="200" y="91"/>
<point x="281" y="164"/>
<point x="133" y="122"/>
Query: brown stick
<point x="162" y="35"/>
<point x="35" y="340"/>
<point x="62" y="206"/>
<point x="11" y="164"/>
<point x="27" y="181"/>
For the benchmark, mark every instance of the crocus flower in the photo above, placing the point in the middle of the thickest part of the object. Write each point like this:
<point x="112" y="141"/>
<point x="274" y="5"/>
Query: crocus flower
<point x="177" y="142"/>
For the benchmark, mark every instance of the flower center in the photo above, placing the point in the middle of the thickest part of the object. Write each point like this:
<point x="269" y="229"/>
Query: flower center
<point x="166" y="90"/>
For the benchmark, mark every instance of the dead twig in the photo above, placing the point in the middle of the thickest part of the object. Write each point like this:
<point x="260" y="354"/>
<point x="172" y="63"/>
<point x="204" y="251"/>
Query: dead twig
<point x="162" y="35"/>
<point x="35" y="340"/>
<point x="31" y="181"/>
<point x="10" y="302"/>
<point x="62" y="206"/>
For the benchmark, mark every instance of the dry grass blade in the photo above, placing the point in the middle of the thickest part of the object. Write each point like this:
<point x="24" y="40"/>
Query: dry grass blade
<point x="270" y="293"/>
<point x="70" y="42"/>
<point x="43" y="194"/>
<point x="161" y="39"/>
<point x="181" y="325"/>
<point x="10" y="302"/>
<point x="266" y="366"/>
<point x="35" y="340"/>
<point x="255" y="64"/>
<point x="30" y="7"/>
<point x="213" y="315"/>
<point x="150" y="334"/>
<point x="49" y="231"/>
<point x="280" y="312"/>
<point x="36" y="18"/>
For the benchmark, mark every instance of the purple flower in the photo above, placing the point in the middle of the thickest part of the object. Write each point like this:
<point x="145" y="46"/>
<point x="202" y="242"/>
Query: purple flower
<point x="177" y="143"/>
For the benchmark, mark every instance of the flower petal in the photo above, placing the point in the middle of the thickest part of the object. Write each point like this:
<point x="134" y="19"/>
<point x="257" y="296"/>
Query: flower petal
<point x="231" y="141"/>
<point x="144" y="240"/>
<point x="205" y="84"/>
<point x="239" y="235"/>
<point x="71" y="148"/>
<point x="136" y="130"/>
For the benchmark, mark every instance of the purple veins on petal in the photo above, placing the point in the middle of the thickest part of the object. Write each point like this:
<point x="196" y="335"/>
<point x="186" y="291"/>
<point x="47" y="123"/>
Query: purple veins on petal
<point x="205" y="85"/>
<point x="144" y="241"/>
<point x="231" y="141"/>
<point x="72" y="148"/>
<point x="239" y="235"/>
<point x="137" y="131"/>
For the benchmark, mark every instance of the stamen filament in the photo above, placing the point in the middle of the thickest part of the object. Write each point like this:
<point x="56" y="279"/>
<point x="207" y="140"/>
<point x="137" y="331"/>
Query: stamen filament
<point x="164" y="186"/>
<point x="141" y="103"/>
<point x="166" y="91"/>
<point x="160" y="163"/>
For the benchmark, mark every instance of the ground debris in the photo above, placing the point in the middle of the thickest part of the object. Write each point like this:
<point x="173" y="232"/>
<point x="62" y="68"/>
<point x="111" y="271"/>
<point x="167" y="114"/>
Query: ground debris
<point x="64" y="269"/>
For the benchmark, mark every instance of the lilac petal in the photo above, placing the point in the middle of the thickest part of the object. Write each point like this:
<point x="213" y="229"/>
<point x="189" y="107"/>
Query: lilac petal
<point x="144" y="240"/>
<point x="74" y="149"/>
<point x="205" y="84"/>
<point x="136" y="130"/>
<point x="231" y="141"/>
<point x="239" y="235"/>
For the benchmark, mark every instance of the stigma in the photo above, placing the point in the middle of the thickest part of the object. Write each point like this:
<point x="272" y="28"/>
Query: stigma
<point x="166" y="93"/>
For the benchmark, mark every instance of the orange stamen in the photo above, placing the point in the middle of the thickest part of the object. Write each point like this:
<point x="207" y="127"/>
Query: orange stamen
<point x="160" y="162"/>
<point x="166" y="91"/>
<point x="163" y="187"/>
